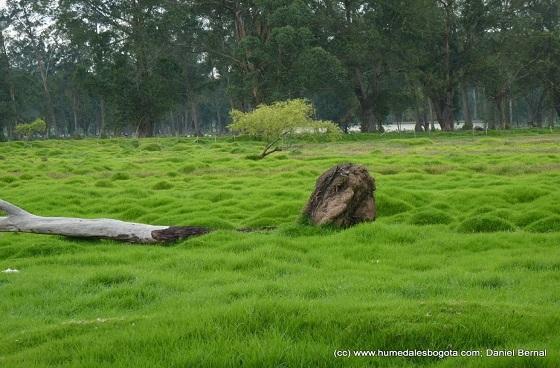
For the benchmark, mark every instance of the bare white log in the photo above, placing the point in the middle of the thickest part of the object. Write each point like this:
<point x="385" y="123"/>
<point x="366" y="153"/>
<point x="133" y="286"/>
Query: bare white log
<point x="19" y="220"/>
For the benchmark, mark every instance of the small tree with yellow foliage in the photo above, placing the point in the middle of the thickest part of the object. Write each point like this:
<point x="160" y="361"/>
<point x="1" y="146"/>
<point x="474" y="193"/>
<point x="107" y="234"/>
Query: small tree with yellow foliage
<point x="37" y="127"/>
<point x="273" y="123"/>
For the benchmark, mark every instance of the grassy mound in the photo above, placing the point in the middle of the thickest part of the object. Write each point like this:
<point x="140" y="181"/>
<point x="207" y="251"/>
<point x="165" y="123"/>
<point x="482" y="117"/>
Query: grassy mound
<point x="523" y="194"/>
<point x="104" y="184"/>
<point x="504" y="214"/>
<point x="120" y="176"/>
<point x="412" y="141"/>
<point x="526" y="218"/>
<point x="387" y="206"/>
<point x="430" y="216"/>
<point x="152" y="147"/>
<point x="485" y="224"/>
<point x="162" y="185"/>
<point x="547" y="225"/>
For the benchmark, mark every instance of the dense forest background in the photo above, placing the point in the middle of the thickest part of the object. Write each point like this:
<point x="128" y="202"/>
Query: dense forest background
<point x="161" y="67"/>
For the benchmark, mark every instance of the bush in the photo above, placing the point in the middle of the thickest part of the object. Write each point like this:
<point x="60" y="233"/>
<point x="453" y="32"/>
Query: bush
<point x="485" y="224"/>
<point x="279" y="121"/>
<point x="28" y="131"/>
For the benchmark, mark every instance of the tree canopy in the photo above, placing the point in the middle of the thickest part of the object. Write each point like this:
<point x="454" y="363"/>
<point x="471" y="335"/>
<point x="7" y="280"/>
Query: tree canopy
<point x="152" y="67"/>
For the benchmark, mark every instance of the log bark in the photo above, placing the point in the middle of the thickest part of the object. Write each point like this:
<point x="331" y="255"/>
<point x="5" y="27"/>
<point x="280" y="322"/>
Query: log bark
<point x="19" y="220"/>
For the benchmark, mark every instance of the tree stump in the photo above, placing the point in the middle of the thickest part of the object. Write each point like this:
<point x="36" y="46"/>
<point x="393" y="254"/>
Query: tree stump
<point x="343" y="196"/>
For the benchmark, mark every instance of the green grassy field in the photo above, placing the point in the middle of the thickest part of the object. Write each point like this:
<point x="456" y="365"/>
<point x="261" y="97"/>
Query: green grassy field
<point x="465" y="254"/>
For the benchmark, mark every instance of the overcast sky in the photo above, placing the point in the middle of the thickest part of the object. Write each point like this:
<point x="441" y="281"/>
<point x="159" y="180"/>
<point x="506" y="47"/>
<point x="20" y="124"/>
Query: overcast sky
<point x="2" y="3"/>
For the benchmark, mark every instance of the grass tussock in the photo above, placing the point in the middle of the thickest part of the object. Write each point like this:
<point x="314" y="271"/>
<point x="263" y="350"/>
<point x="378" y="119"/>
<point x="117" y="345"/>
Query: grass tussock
<point x="152" y="147"/>
<point x="549" y="224"/>
<point x="485" y="224"/>
<point x="162" y="185"/>
<point x="431" y="216"/>
<point x="387" y="206"/>
<point x="120" y="176"/>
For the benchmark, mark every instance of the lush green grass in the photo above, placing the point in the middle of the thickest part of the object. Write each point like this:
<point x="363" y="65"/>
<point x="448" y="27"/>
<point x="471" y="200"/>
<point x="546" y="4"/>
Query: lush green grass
<point x="464" y="255"/>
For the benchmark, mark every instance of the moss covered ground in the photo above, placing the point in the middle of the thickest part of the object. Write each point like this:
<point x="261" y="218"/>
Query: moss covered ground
<point x="465" y="254"/>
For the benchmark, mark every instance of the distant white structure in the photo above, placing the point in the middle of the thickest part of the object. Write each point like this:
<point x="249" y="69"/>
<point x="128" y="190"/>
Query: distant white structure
<point x="408" y="126"/>
<point x="10" y="270"/>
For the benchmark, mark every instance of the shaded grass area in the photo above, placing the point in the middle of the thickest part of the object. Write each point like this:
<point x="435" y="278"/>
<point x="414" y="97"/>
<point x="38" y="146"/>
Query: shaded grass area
<point x="464" y="254"/>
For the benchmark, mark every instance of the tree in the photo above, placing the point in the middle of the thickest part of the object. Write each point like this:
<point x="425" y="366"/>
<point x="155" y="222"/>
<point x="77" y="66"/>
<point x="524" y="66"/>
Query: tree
<point x="366" y="37"/>
<point x="28" y="131"/>
<point x="544" y="46"/>
<point x="140" y="72"/>
<point x="30" y="19"/>
<point x="278" y="121"/>
<point x="108" y="67"/>
<point x="8" y="109"/>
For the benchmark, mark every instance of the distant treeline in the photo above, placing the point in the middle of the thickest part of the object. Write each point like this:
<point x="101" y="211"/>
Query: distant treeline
<point x="147" y="67"/>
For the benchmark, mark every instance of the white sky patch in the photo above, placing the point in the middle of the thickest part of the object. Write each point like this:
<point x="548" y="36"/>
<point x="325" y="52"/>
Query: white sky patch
<point x="2" y="4"/>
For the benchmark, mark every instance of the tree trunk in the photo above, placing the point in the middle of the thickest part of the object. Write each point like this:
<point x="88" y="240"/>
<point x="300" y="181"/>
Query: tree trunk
<point x="247" y="66"/>
<point x="556" y="100"/>
<point x="430" y="107"/>
<point x="445" y="102"/>
<point x="443" y="106"/>
<point x="475" y="105"/>
<point x="369" y="123"/>
<point x="186" y="119"/>
<point x="195" y="119"/>
<point x="510" y="114"/>
<point x="418" y="120"/>
<point x="46" y="91"/>
<point x="19" y="220"/>
<point x="10" y="85"/>
<point x="102" y="116"/>
<point x="174" y="127"/>
<point x="501" y="109"/>
<point x="365" y="99"/>
<point x="75" y="103"/>
<point x="552" y="118"/>
<point x="219" y="128"/>
<point x="466" y="110"/>
<point x="535" y="103"/>
<point x="145" y="128"/>
<point x="421" y="118"/>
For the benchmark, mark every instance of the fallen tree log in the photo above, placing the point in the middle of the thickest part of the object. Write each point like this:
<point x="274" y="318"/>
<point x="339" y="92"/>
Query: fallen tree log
<point x="19" y="220"/>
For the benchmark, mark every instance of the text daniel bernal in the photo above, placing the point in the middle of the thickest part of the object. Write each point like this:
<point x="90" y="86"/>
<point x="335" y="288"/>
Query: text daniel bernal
<point x="515" y="352"/>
